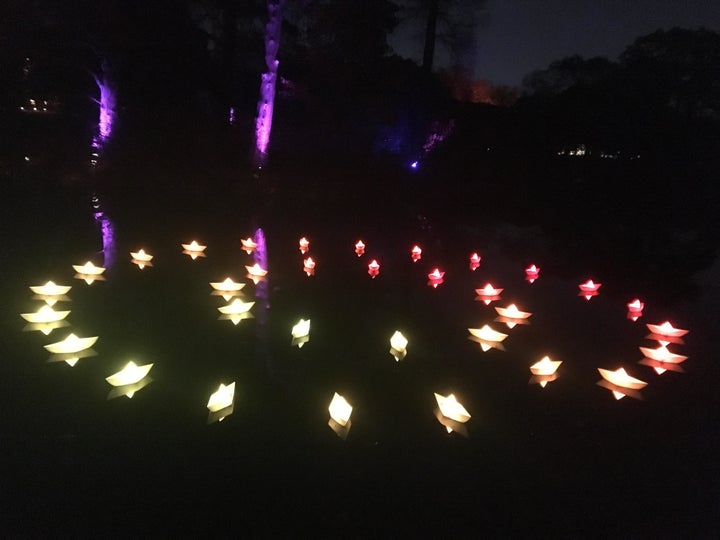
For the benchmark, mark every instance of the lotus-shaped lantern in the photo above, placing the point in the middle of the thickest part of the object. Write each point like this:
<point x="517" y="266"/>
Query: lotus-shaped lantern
<point x="256" y="273"/>
<point x="221" y="403"/>
<point x="194" y="250"/>
<point x="309" y="266"/>
<point x="435" y="278"/>
<point x="620" y="383"/>
<point x="589" y="289"/>
<point x="89" y="272"/>
<point x="666" y="333"/>
<point x="359" y="248"/>
<point x="488" y="294"/>
<point x="451" y="413"/>
<point x="487" y="338"/>
<point x="248" y="245"/>
<point x="301" y="332"/>
<point x="544" y="371"/>
<point x="340" y="411"/>
<point x="512" y="316"/>
<point x="304" y="245"/>
<point x="474" y="261"/>
<point x="71" y="349"/>
<point x="373" y="268"/>
<point x="129" y="380"/>
<point x="662" y="360"/>
<point x="398" y="346"/>
<point x="141" y="258"/>
<point x="416" y="253"/>
<point x="236" y="311"/>
<point x="532" y="272"/>
<point x="51" y="293"/>
<point x="227" y="288"/>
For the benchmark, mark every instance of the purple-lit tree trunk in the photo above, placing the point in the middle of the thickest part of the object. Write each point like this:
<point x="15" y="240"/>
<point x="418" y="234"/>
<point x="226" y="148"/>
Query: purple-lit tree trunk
<point x="107" y="102"/>
<point x="263" y="122"/>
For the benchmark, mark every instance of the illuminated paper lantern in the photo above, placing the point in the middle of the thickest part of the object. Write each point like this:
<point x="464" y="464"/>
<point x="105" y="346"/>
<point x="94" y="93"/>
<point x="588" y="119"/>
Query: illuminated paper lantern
<point x="532" y="272"/>
<point x="398" y="346"/>
<point x="71" y="349"/>
<point x="474" y="261"/>
<point x="301" y="332"/>
<point x="451" y="413"/>
<point x="662" y="360"/>
<point x="340" y="411"/>
<point x="359" y="248"/>
<point x="51" y="293"/>
<point x="512" y="316"/>
<point x="89" y="272"/>
<point x="45" y="314"/>
<point x="256" y="273"/>
<point x="227" y="288"/>
<point x="435" y="278"/>
<point x="635" y="309"/>
<point x="620" y="383"/>
<point x="129" y="380"/>
<point x="416" y="253"/>
<point x="544" y="371"/>
<point x="221" y="403"/>
<point x="236" y="311"/>
<point x="141" y="258"/>
<point x="194" y="250"/>
<point x="666" y="333"/>
<point x="487" y="338"/>
<point x="304" y="245"/>
<point x="488" y="294"/>
<point x="248" y="245"/>
<point x="589" y="289"/>
<point x="373" y="268"/>
<point x="309" y="266"/>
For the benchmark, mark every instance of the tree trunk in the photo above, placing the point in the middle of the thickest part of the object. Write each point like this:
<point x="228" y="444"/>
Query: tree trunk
<point x="430" y="35"/>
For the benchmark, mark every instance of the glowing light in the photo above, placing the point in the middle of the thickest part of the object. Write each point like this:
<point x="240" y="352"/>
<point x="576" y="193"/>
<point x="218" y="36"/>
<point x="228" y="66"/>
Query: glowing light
<point x="474" y="261"/>
<point x="141" y="258"/>
<point x="89" y="272"/>
<point x="487" y="338"/>
<point x="373" y="269"/>
<point x="414" y="165"/>
<point x="589" y="289"/>
<point x="71" y="349"/>
<point x="301" y="332"/>
<point x="51" y="293"/>
<point x="416" y="253"/>
<point x="45" y="314"/>
<point x="488" y="294"/>
<point x="221" y="402"/>
<point x="359" y="248"/>
<point x="451" y="413"/>
<point x="620" y="383"/>
<point x="309" y="266"/>
<point x="532" y="272"/>
<point x="398" y="346"/>
<point x="304" y="245"/>
<point x="256" y="273"/>
<point x="512" y="316"/>
<point x="248" y="245"/>
<point x="194" y="250"/>
<point x="435" y="278"/>
<point x="635" y="309"/>
<point x="340" y="411"/>
<point x="236" y="311"/>
<point x="662" y="360"/>
<point x="128" y="379"/>
<point x="666" y="333"/>
<point x="544" y="371"/>
<point x="227" y="289"/>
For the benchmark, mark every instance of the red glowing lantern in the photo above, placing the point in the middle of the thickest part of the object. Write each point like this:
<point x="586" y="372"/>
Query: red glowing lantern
<point x="589" y="289"/>
<point x="373" y="269"/>
<point x="416" y="253"/>
<point x="635" y="309"/>
<point x="304" y="245"/>
<point x="474" y="261"/>
<point x="359" y="248"/>
<point x="435" y="278"/>
<point x="488" y="294"/>
<point x="532" y="272"/>
<point x="309" y="266"/>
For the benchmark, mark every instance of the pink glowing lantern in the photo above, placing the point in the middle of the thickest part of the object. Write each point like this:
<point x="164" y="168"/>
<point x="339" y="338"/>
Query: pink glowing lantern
<point x="474" y="261"/>
<point x="248" y="245"/>
<point x="435" y="278"/>
<point x="589" y="289"/>
<point x="532" y="272"/>
<point x="487" y="338"/>
<point x="620" y="383"/>
<point x="512" y="316"/>
<point x="488" y="294"/>
<point x="359" y="248"/>
<point x="304" y="244"/>
<point x="416" y="253"/>
<point x="666" y="333"/>
<point x="635" y="309"/>
<point x="373" y="269"/>
<point x="544" y="371"/>
<point x="309" y="266"/>
<point x="662" y="360"/>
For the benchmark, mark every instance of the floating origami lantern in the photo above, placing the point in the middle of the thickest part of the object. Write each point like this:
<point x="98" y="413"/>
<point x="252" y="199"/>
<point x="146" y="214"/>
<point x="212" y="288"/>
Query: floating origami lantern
<point x="227" y="289"/>
<point x="589" y="289"/>
<point x="416" y="253"/>
<point x="221" y="403"/>
<point x="359" y="248"/>
<point x="340" y="411"/>
<point x="248" y="245"/>
<point x="620" y="383"/>
<point x="304" y="244"/>
<point x="256" y="273"/>
<point x="532" y="272"/>
<point x="141" y="259"/>
<point x="89" y="272"/>
<point x="71" y="349"/>
<point x="488" y="294"/>
<point x="662" y="360"/>
<point x="474" y="261"/>
<point x="129" y="380"/>
<point x="398" y="346"/>
<point x="309" y="266"/>
<point x="666" y="333"/>
<point x="451" y="414"/>
<point x="236" y="311"/>
<point x="512" y="316"/>
<point x="45" y="314"/>
<point x="544" y="371"/>
<point x="635" y="309"/>
<point x="301" y="333"/>
<point x="373" y="269"/>
<point x="435" y="278"/>
<point x="487" y="338"/>
<point x="194" y="250"/>
<point x="51" y="293"/>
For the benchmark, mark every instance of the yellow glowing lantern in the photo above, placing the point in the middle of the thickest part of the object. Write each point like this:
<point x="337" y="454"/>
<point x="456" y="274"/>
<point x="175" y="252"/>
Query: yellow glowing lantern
<point x="662" y="360"/>
<point x="340" y="411"/>
<point x="398" y="346"/>
<point x="451" y="413"/>
<point x="512" y="316"/>
<point x="309" y="266"/>
<point x="51" y="293"/>
<point x="304" y="244"/>
<point x="194" y="250"/>
<point x="256" y="273"/>
<point x="227" y="289"/>
<point x="589" y="289"/>
<point x="236" y="311"/>
<point x="89" y="272"/>
<point x="221" y="402"/>
<point x="620" y="383"/>
<point x="487" y="338"/>
<point x="128" y="380"/>
<point x="544" y="371"/>
<point x="71" y="349"/>
<point x="488" y="294"/>
<point x="45" y="314"/>
<point x="248" y="245"/>
<point x="301" y="332"/>
<point x="141" y="258"/>
<point x="666" y="333"/>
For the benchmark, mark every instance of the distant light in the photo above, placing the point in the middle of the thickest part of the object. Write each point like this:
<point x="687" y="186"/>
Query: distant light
<point x="414" y="165"/>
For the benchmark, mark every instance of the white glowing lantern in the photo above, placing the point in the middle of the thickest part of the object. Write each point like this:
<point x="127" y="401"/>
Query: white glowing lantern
<point x="309" y="266"/>
<point x="589" y="289"/>
<point x="661" y="359"/>
<point x="248" y="245"/>
<point x="340" y="410"/>
<point x="71" y="349"/>
<point x="89" y="272"/>
<point x="373" y="268"/>
<point x="620" y="383"/>
<point x="45" y="314"/>
<point x="194" y="250"/>
<point x="227" y="288"/>
<point x="451" y="413"/>
<point x="488" y="294"/>
<point x="487" y="338"/>
<point x="416" y="253"/>
<point x="256" y="273"/>
<point x="435" y="278"/>
<point x="635" y="309"/>
<point x="141" y="258"/>
<point x="359" y="248"/>
<point x="532" y="272"/>
<point x="304" y="245"/>
<point x="130" y="379"/>
<point x="544" y="371"/>
<point x="512" y="316"/>
<point x="221" y="403"/>
<point x="51" y="293"/>
<point x="666" y="333"/>
<point x="398" y="346"/>
<point x="236" y="311"/>
<point x="301" y="332"/>
<point x="474" y="261"/>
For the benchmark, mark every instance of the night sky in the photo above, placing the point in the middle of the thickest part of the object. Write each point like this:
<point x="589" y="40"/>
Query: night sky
<point x="516" y="37"/>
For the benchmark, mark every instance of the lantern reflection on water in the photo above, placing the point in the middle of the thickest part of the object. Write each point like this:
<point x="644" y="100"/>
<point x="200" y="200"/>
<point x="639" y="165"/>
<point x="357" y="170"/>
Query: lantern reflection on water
<point x="662" y="360"/>
<point x="129" y="380"/>
<point x="301" y="333"/>
<point x="256" y="273"/>
<point x="532" y="272"/>
<point x="488" y="294"/>
<point x="589" y="289"/>
<point x="416" y="253"/>
<point x="248" y="245"/>
<point x="373" y="268"/>
<point x="359" y="248"/>
<point x="398" y="346"/>
<point x="340" y="411"/>
<point x="236" y="311"/>
<point x="304" y="245"/>
<point x="544" y="371"/>
<point x="141" y="258"/>
<point x="51" y="293"/>
<point x="227" y="289"/>
<point x="435" y="278"/>
<point x="71" y="349"/>
<point x="635" y="309"/>
<point x="309" y="266"/>
<point x="666" y="333"/>
<point x="451" y="414"/>
<point x="89" y="272"/>
<point x="512" y="316"/>
<point x="487" y="338"/>
<point x="620" y="383"/>
<point x="194" y="250"/>
<point x="474" y="261"/>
